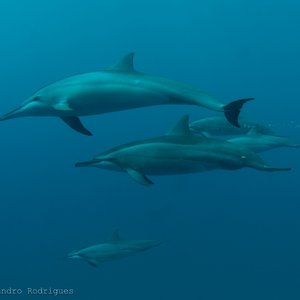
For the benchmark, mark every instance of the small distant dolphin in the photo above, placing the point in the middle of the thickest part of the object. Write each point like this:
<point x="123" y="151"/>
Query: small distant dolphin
<point x="179" y="152"/>
<point x="113" y="249"/>
<point x="219" y="126"/>
<point x="259" y="142"/>
<point x="118" y="88"/>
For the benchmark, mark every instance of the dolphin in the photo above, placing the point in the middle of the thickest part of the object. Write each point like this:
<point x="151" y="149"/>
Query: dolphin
<point x="113" y="249"/>
<point x="259" y="142"/>
<point x="219" y="126"/>
<point x="118" y="88"/>
<point x="178" y="152"/>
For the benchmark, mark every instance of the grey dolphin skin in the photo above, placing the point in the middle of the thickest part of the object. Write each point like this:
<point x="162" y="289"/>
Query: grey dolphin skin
<point x="179" y="152"/>
<point x="219" y="126"/>
<point x="113" y="249"/>
<point x="117" y="88"/>
<point x="259" y="142"/>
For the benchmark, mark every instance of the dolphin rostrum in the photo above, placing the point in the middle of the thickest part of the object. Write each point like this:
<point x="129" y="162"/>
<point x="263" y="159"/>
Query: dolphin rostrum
<point x="259" y="142"/>
<point x="219" y="126"/>
<point x="179" y="152"/>
<point x="113" y="249"/>
<point x="120" y="87"/>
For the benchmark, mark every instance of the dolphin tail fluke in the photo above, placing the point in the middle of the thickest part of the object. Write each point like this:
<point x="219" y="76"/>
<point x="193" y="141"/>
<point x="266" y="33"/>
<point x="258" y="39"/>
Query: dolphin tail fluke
<point x="233" y="109"/>
<point x="75" y="123"/>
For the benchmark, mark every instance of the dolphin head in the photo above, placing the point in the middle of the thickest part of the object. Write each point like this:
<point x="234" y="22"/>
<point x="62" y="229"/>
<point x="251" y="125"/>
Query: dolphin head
<point x="33" y="106"/>
<point x="102" y="161"/>
<point x="74" y="255"/>
<point x="252" y="160"/>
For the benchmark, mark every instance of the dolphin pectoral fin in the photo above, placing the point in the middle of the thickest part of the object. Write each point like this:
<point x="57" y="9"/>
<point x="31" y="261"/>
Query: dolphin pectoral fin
<point x="233" y="109"/>
<point x="75" y="123"/>
<point x="93" y="263"/>
<point x="139" y="177"/>
<point x="63" y="106"/>
<point x="206" y="134"/>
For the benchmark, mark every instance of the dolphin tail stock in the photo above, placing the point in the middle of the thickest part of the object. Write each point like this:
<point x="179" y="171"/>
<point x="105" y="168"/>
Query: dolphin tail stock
<point x="233" y="109"/>
<point x="75" y="123"/>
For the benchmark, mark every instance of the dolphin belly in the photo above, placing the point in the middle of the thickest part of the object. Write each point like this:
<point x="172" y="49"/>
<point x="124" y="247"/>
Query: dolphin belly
<point x="166" y="159"/>
<point x="157" y="166"/>
<point x="107" y="252"/>
<point x="175" y="167"/>
<point x="114" y="97"/>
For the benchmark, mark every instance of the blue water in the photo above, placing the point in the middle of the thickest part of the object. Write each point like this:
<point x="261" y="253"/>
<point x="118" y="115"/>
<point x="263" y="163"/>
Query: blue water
<point x="228" y="235"/>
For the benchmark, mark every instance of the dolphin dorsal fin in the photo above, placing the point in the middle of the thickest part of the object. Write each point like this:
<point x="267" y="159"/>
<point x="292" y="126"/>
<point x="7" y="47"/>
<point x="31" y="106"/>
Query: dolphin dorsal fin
<point x="115" y="237"/>
<point x="125" y="64"/>
<point x="254" y="131"/>
<point x="182" y="127"/>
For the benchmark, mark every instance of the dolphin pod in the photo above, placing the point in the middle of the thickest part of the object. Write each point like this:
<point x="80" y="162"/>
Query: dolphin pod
<point x="178" y="152"/>
<point x="181" y="151"/>
<point x="118" y="88"/>
<point x="115" y="248"/>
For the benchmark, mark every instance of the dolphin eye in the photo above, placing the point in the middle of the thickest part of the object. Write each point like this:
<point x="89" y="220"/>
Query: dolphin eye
<point x="36" y="98"/>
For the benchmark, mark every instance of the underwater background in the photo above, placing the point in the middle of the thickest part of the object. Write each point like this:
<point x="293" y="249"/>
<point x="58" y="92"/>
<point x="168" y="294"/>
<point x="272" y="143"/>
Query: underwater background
<point x="227" y="235"/>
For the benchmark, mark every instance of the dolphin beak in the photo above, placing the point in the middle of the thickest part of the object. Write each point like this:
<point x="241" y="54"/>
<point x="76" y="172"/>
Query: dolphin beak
<point x="29" y="108"/>
<point x="89" y="163"/>
<point x="13" y="114"/>
<point x="158" y="243"/>
<point x="73" y="255"/>
<point x="272" y="169"/>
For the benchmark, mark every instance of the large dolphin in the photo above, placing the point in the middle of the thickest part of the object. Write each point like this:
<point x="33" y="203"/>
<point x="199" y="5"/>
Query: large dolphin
<point x="113" y="249"/>
<point x="117" y="88"/>
<point x="259" y="142"/>
<point x="179" y="152"/>
<point x="218" y="126"/>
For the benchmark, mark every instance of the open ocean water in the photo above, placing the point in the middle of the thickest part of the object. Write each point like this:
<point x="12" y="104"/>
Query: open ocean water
<point x="227" y="235"/>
